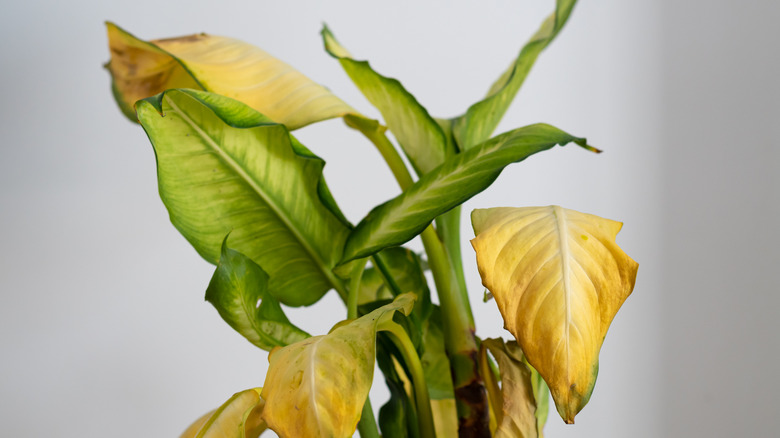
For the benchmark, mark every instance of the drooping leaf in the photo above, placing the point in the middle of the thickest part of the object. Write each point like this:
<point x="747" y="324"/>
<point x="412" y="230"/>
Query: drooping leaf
<point x="317" y="387"/>
<point x="418" y="133"/>
<point x="558" y="278"/>
<point x="481" y="119"/>
<point x="223" y="167"/>
<point x="458" y="179"/>
<point x="238" y="417"/>
<point x="515" y="414"/>
<point x="226" y="66"/>
<point x="235" y="289"/>
<point x="397" y="417"/>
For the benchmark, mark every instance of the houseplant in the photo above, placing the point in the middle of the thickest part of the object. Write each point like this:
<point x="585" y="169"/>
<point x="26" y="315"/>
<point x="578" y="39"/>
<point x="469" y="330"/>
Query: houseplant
<point x="252" y="200"/>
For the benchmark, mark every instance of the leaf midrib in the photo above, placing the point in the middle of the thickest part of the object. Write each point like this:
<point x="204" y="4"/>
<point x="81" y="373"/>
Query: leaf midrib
<point x="227" y="159"/>
<point x="563" y="231"/>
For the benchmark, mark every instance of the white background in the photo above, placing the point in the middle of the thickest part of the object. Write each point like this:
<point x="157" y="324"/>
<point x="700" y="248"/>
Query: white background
<point x="103" y="327"/>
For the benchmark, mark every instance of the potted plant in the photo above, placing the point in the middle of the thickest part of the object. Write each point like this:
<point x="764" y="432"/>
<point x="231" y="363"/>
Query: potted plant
<point x="252" y="200"/>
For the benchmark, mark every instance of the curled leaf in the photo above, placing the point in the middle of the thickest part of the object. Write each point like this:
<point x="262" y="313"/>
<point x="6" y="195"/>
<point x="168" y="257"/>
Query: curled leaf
<point x="558" y="278"/>
<point x="317" y="387"/>
<point x="238" y="417"/>
<point x="226" y="66"/>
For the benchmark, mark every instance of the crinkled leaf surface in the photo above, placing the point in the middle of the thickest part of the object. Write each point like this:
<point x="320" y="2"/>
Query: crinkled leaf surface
<point x="223" y="167"/>
<point x="226" y="66"/>
<point x="515" y="406"/>
<point x="558" y="278"/>
<point x="458" y="179"/>
<point x="481" y="119"/>
<point x="236" y="287"/>
<point x="238" y="417"/>
<point x="317" y="387"/>
<point x="417" y="132"/>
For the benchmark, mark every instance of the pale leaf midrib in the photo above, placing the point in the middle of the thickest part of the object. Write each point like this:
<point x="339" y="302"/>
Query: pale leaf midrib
<point x="227" y="159"/>
<point x="563" y="231"/>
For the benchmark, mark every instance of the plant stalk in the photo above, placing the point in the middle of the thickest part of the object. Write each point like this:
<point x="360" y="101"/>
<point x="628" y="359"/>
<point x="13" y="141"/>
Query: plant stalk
<point x="458" y="320"/>
<point x="422" y="399"/>
<point x="367" y="424"/>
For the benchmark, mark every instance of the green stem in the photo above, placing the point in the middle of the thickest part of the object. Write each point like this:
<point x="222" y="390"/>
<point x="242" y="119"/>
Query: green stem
<point x="367" y="424"/>
<point x="422" y="399"/>
<point x="448" y="228"/>
<point x="354" y="288"/>
<point x="376" y="134"/>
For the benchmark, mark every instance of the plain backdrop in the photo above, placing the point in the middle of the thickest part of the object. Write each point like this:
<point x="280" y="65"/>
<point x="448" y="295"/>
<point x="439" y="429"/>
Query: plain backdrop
<point x="103" y="327"/>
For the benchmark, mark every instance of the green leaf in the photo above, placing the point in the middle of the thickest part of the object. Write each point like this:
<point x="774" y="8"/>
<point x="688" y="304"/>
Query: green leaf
<point x="457" y="180"/>
<point x="541" y="395"/>
<point x="317" y="387"/>
<point x="418" y="133"/>
<point x="397" y="417"/>
<point x="481" y="119"/>
<point x="435" y="363"/>
<point x="235" y="289"/>
<point x="223" y="167"/>
<point x="237" y="417"/>
<point x="233" y="68"/>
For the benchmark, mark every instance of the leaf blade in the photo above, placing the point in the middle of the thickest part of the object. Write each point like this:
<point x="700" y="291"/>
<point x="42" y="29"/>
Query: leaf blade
<point x="558" y="278"/>
<point x="481" y="119"/>
<point x="236" y="287"/>
<point x="317" y="387"/>
<point x="238" y="416"/>
<point x="226" y="66"/>
<point x="455" y="181"/>
<point x="419" y="135"/>
<point x="223" y="167"/>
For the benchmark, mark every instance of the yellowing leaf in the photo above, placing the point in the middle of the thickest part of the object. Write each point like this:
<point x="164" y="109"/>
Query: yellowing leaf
<point x="238" y="417"/>
<point x="445" y="417"/>
<point x="317" y="387"/>
<point x="218" y="64"/>
<point x="558" y="278"/>
<point x="515" y="406"/>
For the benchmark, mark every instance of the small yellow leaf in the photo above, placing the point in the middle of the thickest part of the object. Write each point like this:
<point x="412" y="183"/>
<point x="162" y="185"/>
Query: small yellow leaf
<point x="221" y="65"/>
<point x="515" y="415"/>
<point x="238" y="417"/>
<point x="317" y="387"/>
<point x="558" y="278"/>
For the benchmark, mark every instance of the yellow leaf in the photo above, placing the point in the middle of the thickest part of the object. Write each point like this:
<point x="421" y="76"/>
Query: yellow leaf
<point x="317" y="387"/>
<point x="221" y="65"/>
<point x="515" y="413"/>
<point x="445" y="417"/>
<point x="238" y="417"/>
<point x="558" y="278"/>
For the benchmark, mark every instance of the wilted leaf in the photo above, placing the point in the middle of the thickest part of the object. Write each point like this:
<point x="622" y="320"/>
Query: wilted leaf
<point x="223" y="167"/>
<point x="514" y="407"/>
<point x="236" y="287"/>
<point x="226" y="66"/>
<point x="238" y="417"/>
<point x="481" y="119"/>
<point x="317" y="387"/>
<point x="454" y="182"/>
<point x="417" y="132"/>
<point x="558" y="278"/>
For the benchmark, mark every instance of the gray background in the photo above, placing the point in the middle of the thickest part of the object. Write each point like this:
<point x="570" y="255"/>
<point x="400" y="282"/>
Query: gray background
<point x="103" y="327"/>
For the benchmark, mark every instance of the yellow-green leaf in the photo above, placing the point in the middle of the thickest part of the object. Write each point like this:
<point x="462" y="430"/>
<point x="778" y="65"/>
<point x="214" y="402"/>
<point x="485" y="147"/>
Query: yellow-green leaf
<point x="238" y="417"/>
<point x="445" y="417"/>
<point x="558" y="278"/>
<point x="513" y="406"/>
<point x="226" y="66"/>
<point x="317" y="387"/>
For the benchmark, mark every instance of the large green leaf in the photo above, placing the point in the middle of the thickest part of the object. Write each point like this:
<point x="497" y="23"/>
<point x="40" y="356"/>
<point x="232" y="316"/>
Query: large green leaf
<point x="418" y="133"/>
<point x="223" y="167"/>
<point x="233" y="68"/>
<point x="235" y="289"/>
<point x="317" y="387"/>
<point x="458" y="179"/>
<point x="436" y="364"/>
<point x="481" y="119"/>
<point x="238" y="417"/>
